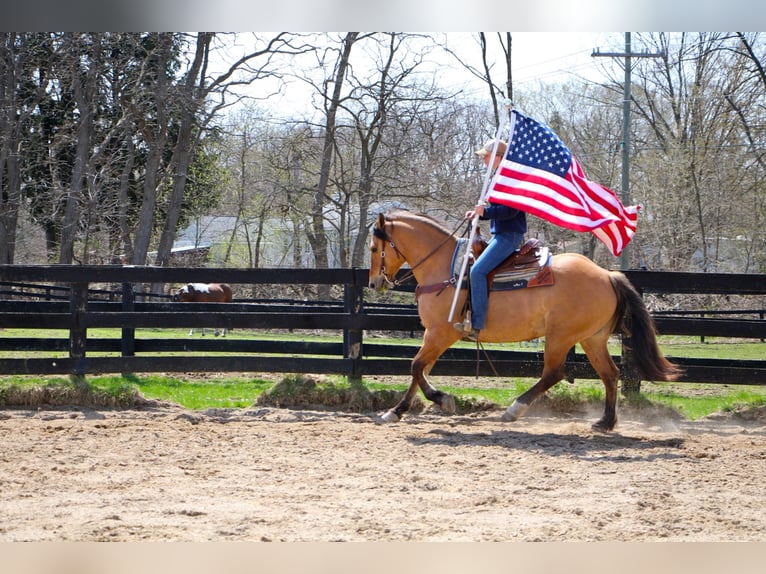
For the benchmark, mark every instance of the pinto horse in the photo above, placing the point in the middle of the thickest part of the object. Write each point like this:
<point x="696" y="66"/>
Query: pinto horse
<point x="585" y="305"/>
<point x="204" y="293"/>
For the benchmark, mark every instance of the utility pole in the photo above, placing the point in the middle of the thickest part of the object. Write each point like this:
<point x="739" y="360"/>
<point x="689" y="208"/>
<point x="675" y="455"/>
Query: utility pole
<point x="628" y="55"/>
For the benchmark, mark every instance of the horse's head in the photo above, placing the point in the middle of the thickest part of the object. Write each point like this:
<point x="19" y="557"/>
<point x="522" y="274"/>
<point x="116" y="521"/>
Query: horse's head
<point x="385" y="258"/>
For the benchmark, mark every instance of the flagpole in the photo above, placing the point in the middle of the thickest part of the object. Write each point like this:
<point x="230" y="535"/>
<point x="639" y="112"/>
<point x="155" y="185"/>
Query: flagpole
<point x="482" y="197"/>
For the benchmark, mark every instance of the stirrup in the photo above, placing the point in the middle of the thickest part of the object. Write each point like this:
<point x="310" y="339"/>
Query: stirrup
<point x="463" y="327"/>
<point x="472" y="335"/>
<point x="468" y="332"/>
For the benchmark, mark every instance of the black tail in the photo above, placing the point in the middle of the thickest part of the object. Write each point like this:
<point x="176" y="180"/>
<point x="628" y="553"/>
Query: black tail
<point x="633" y="319"/>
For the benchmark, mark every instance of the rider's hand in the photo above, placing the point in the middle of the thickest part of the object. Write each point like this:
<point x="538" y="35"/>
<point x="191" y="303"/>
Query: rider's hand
<point x="476" y="211"/>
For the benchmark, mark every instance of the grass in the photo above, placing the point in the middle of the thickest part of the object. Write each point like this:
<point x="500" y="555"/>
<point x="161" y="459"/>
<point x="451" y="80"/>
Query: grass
<point x="226" y="393"/>
<point x="692" y="401"/>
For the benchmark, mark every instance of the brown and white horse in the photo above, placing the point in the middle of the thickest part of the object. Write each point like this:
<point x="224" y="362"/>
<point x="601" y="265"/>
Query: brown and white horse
<point x="204" y="293"/>
<point x="585" y="305"/>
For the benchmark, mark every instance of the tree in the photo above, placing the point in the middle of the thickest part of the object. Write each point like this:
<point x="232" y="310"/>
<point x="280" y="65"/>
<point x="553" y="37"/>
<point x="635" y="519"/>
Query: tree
<point x="379" y="107"/>
<point x="19" y="96"/>
<point x="193" y="93"/>
<point x="333" y="99"/>
<point x="687" y="140"/>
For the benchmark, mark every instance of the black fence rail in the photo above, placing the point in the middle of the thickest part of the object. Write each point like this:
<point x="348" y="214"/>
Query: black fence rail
<point x="63" y="297"/>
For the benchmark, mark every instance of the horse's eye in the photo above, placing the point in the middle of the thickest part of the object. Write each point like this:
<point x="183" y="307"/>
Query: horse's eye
<point x="373" y="249"/>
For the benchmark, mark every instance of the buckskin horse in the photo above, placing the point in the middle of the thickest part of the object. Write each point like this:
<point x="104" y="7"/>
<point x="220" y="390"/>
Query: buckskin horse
<point x="585" y="304"/>
<point x="204" y="293"/>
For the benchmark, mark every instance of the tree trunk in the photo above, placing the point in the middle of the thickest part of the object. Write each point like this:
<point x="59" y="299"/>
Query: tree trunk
<point x="191" y="99"/>
<point x="156" y="137"/>
<point x="10" y="179"/>
<point x="317" y="235"/>
<point x="84" y="88"/>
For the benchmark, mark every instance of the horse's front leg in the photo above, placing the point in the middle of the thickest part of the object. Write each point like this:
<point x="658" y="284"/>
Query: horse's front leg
<point x="421" y="366"/>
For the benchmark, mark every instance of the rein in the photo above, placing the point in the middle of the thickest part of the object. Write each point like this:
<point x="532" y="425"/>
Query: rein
<point x="383" y="236"/>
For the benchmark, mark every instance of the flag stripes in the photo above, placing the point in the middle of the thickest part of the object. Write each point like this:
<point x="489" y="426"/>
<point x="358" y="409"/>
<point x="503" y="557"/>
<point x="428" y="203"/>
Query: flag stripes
<point x="540" y="176"/>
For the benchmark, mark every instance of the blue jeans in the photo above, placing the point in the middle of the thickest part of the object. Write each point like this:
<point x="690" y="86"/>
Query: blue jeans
<point x="500" y="247"/>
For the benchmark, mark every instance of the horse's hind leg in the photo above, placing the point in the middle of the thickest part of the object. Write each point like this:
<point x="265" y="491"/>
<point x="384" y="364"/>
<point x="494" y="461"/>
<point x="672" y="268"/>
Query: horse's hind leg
<point x="598" y="355"/>
<point x="421" y="367"/>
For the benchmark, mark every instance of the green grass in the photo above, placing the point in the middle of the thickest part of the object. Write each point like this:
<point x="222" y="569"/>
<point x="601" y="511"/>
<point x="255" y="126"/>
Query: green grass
<point x="712" y="348"/>
<point x="224" y="393"/>
<point x="197" y="395"/>
<point x="674" y="346"/>
<point x="692" y="401"/>
<point x="695" y="406"/>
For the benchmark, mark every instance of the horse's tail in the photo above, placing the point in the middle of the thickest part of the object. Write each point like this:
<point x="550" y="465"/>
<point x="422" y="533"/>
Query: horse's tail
<point x="634" y="320"/>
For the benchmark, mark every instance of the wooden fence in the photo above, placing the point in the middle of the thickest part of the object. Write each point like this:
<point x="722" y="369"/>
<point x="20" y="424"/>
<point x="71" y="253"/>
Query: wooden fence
<point x="63" y="297"/>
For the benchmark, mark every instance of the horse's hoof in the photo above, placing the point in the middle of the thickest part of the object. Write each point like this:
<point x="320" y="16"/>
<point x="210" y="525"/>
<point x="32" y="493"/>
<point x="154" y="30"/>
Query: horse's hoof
<point x="447" y="404"/>
<point x="514" y="412"/>
<point x="603" y="426"/>
<point x="390" y="417"/>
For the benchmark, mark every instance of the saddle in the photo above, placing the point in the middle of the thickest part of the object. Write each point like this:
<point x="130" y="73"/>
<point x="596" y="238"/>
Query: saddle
<point x="528" y="266"/>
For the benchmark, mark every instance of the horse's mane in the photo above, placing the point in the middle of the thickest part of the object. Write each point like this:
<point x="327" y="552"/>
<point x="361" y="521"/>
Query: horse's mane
<point x="404" y="214"/>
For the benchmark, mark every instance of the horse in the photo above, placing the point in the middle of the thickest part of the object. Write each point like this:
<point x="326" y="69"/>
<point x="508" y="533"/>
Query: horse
<point x="585" y="304"/>
<point x="204" y="293"/>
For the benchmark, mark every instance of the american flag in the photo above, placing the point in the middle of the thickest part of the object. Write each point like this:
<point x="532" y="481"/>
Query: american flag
<point x="540" y="175"/>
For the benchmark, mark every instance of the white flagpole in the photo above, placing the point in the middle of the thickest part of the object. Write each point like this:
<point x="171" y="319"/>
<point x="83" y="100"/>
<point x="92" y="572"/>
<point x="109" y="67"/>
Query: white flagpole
<point x="484" y="191"/>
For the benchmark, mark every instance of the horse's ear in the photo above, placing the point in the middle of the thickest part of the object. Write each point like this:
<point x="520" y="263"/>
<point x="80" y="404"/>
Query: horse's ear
<point x="381" y="221"/>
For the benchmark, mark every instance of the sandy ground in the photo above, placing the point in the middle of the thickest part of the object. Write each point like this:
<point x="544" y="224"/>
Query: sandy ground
<point x="269" y="474"/>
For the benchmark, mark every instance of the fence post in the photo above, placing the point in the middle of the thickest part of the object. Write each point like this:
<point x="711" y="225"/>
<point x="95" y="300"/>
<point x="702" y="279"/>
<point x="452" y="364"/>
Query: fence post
<point x="353" y="301"/>
<point x="128" y="340"/>
<point x="631" y="381"/>
<point x="128" y="333"/>
<point x="78" y="334"/>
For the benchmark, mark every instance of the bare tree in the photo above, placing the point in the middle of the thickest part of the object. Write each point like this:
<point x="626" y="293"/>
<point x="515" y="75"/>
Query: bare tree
<point x="686" y="120"/>
<point x="391" y="93"/>
<point x="333" y="98"/>
<point x="81" y="68"/>
<point x="193" y="92"/>
<point x="18" y="99"/>
<point x="485" y="74"/>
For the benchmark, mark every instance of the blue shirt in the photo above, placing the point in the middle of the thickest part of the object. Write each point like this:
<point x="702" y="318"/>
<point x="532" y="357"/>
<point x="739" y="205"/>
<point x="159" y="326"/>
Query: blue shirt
<point x="504" y="219"/>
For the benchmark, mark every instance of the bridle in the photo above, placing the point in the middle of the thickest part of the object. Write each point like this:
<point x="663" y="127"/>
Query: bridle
<point x="384" y="237"/>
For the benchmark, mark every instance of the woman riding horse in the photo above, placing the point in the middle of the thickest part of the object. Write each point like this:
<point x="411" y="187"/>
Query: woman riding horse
<point x="585" y="305"/>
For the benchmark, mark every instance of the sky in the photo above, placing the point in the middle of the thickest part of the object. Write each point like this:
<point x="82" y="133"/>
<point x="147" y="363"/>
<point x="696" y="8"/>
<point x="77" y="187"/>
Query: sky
<point x="545" y="57"/>
<point x="551" y="56"/>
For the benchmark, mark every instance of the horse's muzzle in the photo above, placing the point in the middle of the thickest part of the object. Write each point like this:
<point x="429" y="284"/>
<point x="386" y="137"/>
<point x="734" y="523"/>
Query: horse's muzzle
<point x="380" y="283"/>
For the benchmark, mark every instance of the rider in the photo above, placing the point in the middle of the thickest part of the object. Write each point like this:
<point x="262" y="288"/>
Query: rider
<point x="507" y="226"/>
